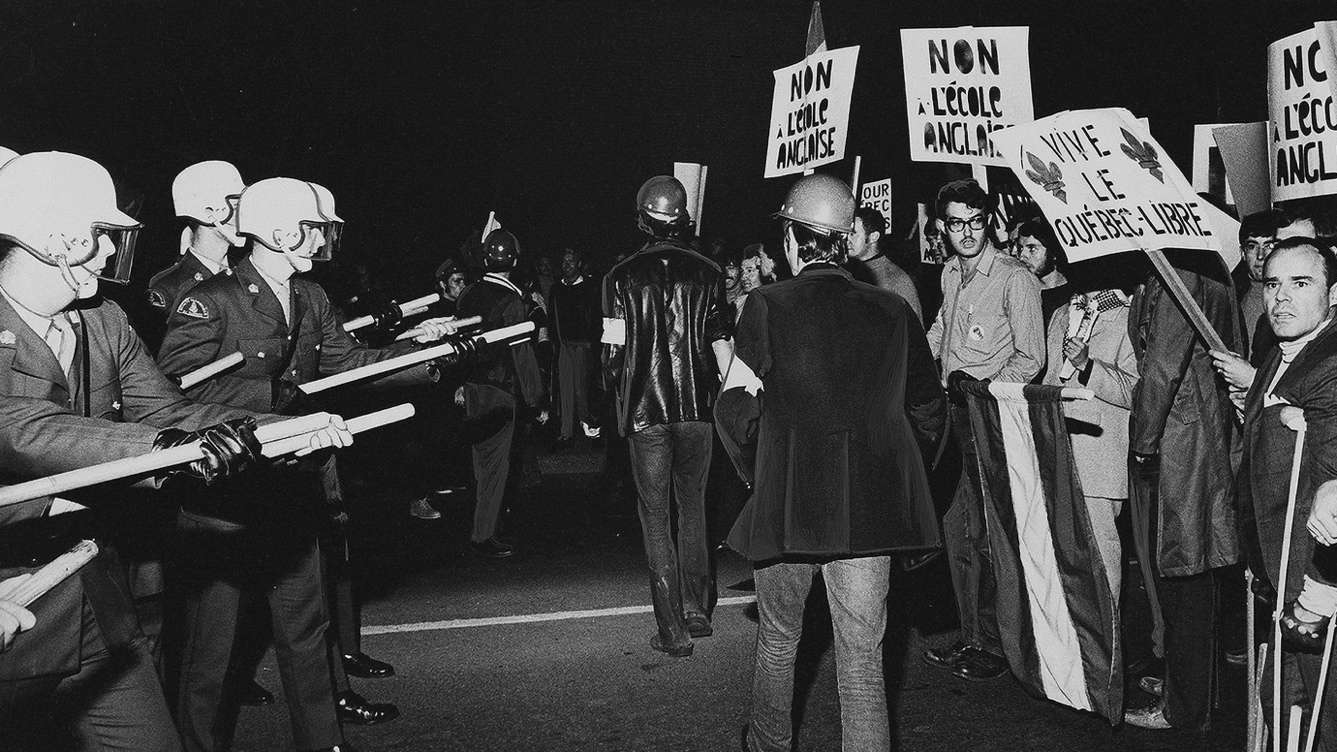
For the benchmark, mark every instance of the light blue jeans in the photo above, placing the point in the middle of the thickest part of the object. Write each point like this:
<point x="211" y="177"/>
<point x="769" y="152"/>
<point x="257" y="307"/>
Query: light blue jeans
<point x="857" y="592"/>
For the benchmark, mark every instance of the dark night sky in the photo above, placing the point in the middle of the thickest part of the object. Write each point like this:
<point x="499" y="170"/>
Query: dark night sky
<point x="423" y="116"/>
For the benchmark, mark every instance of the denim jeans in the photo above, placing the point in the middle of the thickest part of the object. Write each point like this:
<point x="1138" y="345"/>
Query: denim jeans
<point x="857" y="592"/>
<point x="672" y="461"/>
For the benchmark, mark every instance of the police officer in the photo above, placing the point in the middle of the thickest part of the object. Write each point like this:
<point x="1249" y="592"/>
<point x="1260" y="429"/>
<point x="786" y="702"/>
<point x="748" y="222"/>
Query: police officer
<point x="492" y="386"/>
<point x="77" y="388"/>
<point x="285" y="328"/>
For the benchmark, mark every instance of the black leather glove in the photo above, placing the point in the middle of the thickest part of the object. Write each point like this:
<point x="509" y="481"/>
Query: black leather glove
<point x="1145" y="468"/>
<point x="466" y="352"/>
<point x="229" y="447"/>
<point x="387" y="315"/>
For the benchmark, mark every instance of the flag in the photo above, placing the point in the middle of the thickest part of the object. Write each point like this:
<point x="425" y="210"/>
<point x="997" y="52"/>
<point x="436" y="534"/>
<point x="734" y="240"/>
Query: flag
<point x="1057" y="620"/>
<point x="816" y="41"/>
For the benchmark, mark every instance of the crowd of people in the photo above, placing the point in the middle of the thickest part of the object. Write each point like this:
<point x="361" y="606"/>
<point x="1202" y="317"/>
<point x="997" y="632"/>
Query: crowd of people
<point x="831" y="372"/>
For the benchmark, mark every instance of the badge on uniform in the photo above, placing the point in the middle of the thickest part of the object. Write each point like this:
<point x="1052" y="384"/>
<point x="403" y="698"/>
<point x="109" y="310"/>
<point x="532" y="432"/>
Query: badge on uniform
<point x="7" y="337"/>
<point x="977" y="333"/>
<point x="157" y="299"/>
<point x="253" y="289"/>
<point x="199" y="277"/>
<point x="193" y="308"/>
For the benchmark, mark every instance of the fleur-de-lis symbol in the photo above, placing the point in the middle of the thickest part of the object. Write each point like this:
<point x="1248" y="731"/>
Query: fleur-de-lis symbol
<point x="1143" y="153"/>
<point x="1048" y="176"/>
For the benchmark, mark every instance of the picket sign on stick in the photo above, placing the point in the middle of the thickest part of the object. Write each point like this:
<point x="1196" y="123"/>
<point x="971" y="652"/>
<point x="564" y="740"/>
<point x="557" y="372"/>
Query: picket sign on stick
<point x="417" y="305"/>
<point x="854" y="176"/>
<point x="1254" y="727"/>
<point x="204" y="373"/>
<point x="1293" y="418"/>
<point x="464" y="323"/>
<point x="54" y="572"/>
<point x="1293" y="730"/>
<point x="515" y="331"/>
<point x="147" y="463"/>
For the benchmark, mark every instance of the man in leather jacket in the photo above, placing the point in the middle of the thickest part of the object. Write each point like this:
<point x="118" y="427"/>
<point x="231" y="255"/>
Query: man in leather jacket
<point x="667" y="334"/>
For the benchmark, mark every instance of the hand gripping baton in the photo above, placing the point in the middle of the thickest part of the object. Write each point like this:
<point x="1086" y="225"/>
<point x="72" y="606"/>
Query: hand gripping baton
<point x="457" y="323"/>
<point x="276" y="439"/>
<point x="417" y="305"/>
<point x="506" y="333"/>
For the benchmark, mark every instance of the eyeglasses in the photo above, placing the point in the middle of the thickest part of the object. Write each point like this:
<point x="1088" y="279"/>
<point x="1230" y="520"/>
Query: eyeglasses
<point x="956" y="224"/>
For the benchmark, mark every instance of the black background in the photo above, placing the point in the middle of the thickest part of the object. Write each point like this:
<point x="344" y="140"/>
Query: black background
<point x="422" y="117"/>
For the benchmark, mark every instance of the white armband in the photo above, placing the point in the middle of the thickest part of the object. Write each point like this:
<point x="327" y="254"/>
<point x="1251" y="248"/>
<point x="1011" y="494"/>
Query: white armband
<point x="615" y="332"/>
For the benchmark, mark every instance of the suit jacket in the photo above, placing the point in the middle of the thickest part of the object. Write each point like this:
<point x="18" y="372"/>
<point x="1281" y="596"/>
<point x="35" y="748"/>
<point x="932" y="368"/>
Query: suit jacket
<point x="1099" y="427"/>
<point x="1182" y="412"/>
<point x="672" y="302"/>
<point x="43" y="430"/>
<point x="1310" y="383"/>
<point x="513" y="369"/>
<point x="850" y="395"/>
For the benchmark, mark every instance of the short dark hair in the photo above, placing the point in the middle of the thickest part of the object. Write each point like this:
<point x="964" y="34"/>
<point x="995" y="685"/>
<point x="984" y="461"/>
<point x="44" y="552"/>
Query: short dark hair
<point x="966" y="192"/>
<point x="1319" y="247"/>
<point x="872" y="219"/>
<point x="1038" y="228"/>
<point x="1261" y="224"/>
<point x="819" y="245"/>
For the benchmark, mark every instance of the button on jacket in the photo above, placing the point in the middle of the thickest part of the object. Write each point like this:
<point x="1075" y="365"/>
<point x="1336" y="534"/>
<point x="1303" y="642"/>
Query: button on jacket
<point x="672" y="302"/>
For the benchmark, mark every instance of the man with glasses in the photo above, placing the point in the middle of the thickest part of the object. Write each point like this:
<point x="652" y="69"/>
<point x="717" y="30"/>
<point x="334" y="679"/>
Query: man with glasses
<point x="989" y="328"/>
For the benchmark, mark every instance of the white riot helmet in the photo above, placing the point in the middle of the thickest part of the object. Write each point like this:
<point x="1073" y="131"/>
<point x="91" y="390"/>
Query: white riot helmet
<point x="335" y="230"/>
<point x="61" y="208"/>
<point x="282" y="214"/>
<point x="6" y="154"/>
<point x="207" y="192"/>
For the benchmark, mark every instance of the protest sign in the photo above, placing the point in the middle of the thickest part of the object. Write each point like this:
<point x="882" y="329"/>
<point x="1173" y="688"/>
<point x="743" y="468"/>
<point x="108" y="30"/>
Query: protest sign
<point x="932" y="250"/>
<point x="961" y="85"/>
<point x="1327" y="41"/>
<point x="1209" y="171"/>
<point x="810" y="111"/>
<point x="1302" y="118"/>
<point x="1105" y="185"/>
<point x="877" y="194"/>
<point x="1243" y="148"/>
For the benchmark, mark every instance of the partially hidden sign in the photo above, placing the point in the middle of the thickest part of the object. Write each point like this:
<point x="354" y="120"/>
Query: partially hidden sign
<point x="961" y="85"/>
<point x="877" y="195"/>
<point x="810" y="112"/>
<point x="1302" y="118"/>
<point x="1105" y="185"/>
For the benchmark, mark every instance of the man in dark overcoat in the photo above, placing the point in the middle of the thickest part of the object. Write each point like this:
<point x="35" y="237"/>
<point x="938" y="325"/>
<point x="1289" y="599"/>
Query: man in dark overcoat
<point x="833" y="454"/>
<point x="1180" y="438"/>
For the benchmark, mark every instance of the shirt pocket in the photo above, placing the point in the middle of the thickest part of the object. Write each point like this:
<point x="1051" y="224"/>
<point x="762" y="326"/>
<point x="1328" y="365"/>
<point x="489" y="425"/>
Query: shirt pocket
<point x="263" y="356"/>
<point x="984" y="330"/>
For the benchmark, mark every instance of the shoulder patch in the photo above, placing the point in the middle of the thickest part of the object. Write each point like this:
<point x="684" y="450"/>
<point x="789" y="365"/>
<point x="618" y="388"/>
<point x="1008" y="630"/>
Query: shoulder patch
<point x="157" y="299"/>
<point x="193" y="308"/>
<point x="7" y="337"/>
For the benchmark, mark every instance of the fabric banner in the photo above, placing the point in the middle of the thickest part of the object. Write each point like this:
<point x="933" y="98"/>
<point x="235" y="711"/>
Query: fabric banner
<point x="1105" y="184"/>
<point x="1057" y="619"/>
<point x="961" y="85"/>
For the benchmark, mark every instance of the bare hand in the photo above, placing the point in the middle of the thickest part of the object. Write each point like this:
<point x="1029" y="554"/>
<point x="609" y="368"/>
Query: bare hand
<point x="335" y="435"/>
<point x="1235" y="370"/>
<point x="459" y="397"/>
<point x="1322" y="523"/>
<point x="435" y="329"/>
<point x="542" y="417"/>
<point x="13" y="617"/>
<point x="1077" y="352"/>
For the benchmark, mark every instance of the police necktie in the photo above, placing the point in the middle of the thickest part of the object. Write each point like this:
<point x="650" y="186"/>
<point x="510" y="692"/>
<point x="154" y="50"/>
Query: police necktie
<point x="60" y="338"/>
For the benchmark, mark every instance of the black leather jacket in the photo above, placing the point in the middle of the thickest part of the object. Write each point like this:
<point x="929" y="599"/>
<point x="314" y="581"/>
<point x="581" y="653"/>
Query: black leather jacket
<point x="671" y="300"/>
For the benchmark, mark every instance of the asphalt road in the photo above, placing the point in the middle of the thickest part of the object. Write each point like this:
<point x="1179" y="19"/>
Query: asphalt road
<point x="496" y="655"/>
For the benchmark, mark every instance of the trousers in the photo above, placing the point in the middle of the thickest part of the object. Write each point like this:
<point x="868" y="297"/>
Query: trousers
<point x="573" y="384"/>
<point x="966" y="540"/>
<point x="493" y="410"/>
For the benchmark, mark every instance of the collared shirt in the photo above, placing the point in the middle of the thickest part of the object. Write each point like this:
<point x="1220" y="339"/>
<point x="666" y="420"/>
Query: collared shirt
<point x="282" y="291"/>
<point x="989" y="326"/>
<point x="37" y="322"/>
<point x="213" y="266"/>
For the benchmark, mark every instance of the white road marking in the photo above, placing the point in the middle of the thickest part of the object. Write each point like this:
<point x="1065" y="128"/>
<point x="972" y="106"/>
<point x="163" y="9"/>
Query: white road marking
<point x="492" y="621"/>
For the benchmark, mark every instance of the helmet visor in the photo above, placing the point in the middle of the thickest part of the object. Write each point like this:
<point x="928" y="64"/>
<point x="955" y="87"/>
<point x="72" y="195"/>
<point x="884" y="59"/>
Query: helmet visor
<point x="122" y="260"/>
<point x="331" y="234"/>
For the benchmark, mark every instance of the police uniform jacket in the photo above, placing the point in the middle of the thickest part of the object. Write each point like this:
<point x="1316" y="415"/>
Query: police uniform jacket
<point x="43" y="430"/>
<point x="166" y="288"/>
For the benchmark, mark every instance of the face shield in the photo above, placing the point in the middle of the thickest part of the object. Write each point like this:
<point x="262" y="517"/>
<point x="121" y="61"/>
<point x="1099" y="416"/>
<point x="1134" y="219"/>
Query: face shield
<point x="327" y="235"/>
<point x="123" y="241"/>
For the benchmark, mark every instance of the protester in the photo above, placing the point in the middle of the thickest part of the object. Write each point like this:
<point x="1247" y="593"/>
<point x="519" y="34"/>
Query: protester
<point x="1298" y="281"/>
<point x="1180" y="441"/>
<point x="1038" y="248"/>
<point x="835" y="493"/>
<point x="869" y="264"/>
<point x="755" y="270"/>
<point x="667" y="336"/>
<point x="989" y="327"/>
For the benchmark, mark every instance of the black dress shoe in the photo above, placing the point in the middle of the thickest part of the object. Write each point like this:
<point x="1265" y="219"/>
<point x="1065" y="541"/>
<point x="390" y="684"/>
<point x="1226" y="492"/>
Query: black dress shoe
<point x="354" y="708"/>
<point x="949" y="657"/>
<point x="698" y="624"/>
<point x="492" y="549"/>
<point x="364" y="666"/>
<point x="253" y="695"/>
<point x="980" y="665"/>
